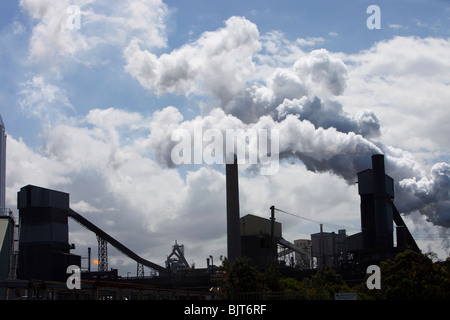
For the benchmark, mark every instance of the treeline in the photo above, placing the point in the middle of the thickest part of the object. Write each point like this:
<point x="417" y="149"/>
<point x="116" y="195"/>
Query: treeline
<point x="410" y="275"/>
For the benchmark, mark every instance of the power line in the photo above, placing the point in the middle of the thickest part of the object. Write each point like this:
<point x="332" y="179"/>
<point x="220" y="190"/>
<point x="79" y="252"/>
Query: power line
<point x="335" y="226"/>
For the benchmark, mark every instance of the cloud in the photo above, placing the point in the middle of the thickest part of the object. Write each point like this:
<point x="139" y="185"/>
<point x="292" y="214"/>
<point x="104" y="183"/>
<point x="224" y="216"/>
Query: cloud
<point x="42" y="99"/>
<point x="25" y="166"/>
<point x="396" y="26"/>
<point x="101" y="24"/>
<point x="324" y="70"/>
<point x="303" y="97"/>
<point x="194" y="68"/>
<point x="222" y="64"/>
<point x="405" y="81"/>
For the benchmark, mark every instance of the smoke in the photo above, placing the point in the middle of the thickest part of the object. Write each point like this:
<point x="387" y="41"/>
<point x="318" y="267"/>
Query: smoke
<point x="430" y="196"/>
<point x="245" y="89"/>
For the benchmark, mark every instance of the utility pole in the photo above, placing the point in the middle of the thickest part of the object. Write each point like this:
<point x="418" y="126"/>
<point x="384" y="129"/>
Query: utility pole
<point x="272" y="233"/>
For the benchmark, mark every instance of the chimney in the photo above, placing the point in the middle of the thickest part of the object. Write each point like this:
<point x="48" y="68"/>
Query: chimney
<point x="233" y="224"/>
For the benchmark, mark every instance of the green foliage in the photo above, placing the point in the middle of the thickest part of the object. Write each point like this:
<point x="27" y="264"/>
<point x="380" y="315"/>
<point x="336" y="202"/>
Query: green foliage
<point x="410" y="275"/>
<point x="240" y="276"/>
<point x="292" y="284"/>
<point x="325" y="283"/>
<point x="413" y="275"/>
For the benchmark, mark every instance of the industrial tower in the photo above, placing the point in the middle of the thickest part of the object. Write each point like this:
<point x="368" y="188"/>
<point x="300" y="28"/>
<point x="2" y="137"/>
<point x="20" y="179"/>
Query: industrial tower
<point x="2" y="166"/>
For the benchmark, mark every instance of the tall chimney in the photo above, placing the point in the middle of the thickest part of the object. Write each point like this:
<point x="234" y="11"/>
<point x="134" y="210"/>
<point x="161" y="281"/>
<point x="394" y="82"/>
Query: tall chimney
<point x="233" y="223"/>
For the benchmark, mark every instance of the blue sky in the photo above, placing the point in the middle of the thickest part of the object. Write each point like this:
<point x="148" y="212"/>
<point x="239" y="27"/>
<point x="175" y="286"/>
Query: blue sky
<point x="341" y="25"/>
<point x="90" y="111"/>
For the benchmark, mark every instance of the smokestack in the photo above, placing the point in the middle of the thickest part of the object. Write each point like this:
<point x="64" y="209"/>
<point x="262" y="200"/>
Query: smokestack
<point x="233" y="224"/>
<point x="2" y="167"/>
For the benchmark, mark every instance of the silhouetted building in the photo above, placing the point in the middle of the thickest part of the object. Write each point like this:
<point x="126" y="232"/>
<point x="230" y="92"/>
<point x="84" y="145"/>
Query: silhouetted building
<point x="256" y="239"/>
<point x="303" y="257"/>
<point x="376" y="190"/>
<point x="44" y="250"/>
<point x="7" y="259"/>
<point x="328" y="247"/>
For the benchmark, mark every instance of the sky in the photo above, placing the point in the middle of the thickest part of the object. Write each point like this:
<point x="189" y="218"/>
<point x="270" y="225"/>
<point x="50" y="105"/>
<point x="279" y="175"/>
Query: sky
<point x="92" y="90"/>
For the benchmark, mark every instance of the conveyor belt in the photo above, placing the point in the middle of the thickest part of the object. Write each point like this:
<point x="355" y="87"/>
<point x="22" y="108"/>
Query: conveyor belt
<point x="116" y="244"/>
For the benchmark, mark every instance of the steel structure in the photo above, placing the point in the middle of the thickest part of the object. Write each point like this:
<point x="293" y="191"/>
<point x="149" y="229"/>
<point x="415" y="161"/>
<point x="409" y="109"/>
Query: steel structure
<point x="116" y="244"/>
<point x="102" y="254"/>
<point x="176" y="260"/>
<point x="140" y="270"/>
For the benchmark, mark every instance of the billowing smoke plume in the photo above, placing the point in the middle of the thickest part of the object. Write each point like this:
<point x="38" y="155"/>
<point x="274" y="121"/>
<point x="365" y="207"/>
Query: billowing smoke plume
<point x="296" y="96"/>
<point x="431" y="196"/>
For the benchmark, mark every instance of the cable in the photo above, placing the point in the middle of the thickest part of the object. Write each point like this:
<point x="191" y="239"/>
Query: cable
<point x="319" y="222"/>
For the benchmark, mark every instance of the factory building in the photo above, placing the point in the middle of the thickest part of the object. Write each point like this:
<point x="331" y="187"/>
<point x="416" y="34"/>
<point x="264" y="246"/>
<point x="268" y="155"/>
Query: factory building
<point x="44" y="249"/>
<point x="375" y="242"/>
<point x="303" y="254"/>
<point x="327" y="247"/>
<point x="256" y="239"/>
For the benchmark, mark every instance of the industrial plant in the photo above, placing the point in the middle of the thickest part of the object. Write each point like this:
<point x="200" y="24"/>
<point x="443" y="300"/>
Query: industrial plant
<point x="36" y="253"/>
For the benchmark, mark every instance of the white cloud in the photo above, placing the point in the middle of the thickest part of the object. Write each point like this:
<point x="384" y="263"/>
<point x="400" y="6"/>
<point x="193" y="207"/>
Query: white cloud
<point x="396" y="26"/>
<point x="42" y="99"/>
<point x="317" y="129"/>
<point x="217" y="63"/>
<point x="405" y="81"/>
<point x="24" y="166"/>
<point x="100" y="24"/>
<point x="310" y="41"/>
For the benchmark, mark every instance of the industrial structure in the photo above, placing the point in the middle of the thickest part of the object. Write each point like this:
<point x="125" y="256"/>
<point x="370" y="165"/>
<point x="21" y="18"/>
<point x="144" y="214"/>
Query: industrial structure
<point x="44" y="250"/>
<point x="8" y="227"/>
<point x="35" y="251"/>
<point x="233" y="213"/>
<point x="375" y="242"/>
<point x="2" y="166"/>
<point x="263" y="243"/>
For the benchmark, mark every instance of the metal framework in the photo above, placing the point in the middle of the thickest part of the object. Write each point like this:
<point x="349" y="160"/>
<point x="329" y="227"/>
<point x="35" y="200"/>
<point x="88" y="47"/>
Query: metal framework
<point x="140" y="270"/>
<point x="116" y="244"/>
<point x="176" y="260"/>
<point x="102" y="254"/>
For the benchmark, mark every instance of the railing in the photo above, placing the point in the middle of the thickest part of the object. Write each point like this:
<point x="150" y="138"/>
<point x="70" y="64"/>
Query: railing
<point x="284" y="295"/>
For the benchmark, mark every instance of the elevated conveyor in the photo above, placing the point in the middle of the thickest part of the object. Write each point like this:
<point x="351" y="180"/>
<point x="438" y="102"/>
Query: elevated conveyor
<point x="289" y="248"/>
<point x="116" y="244"/>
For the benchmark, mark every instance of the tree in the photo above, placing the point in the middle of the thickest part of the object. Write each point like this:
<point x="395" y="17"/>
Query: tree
<point x="325" y="283"/>
<point x="241" y="276"/>
<point x="413" y="275"/>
